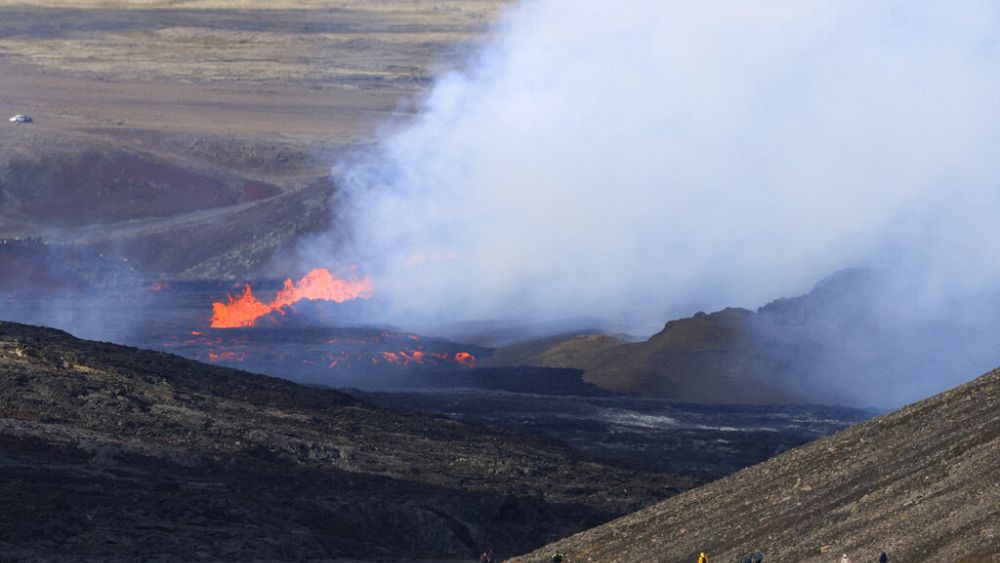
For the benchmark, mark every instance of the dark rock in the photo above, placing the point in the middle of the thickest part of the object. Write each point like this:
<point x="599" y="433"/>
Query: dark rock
<point x="111" y="453"/>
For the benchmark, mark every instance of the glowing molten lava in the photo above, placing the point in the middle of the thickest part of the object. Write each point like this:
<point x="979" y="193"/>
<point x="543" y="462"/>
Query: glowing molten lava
<point x="318" y="284"/>
<point x="239" y="312"/>
<point x="420" y="357"/>
<point x="465" y="359"/>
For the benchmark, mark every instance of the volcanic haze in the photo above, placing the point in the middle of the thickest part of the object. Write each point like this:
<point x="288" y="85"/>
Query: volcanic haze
<point x="648" y="159"/>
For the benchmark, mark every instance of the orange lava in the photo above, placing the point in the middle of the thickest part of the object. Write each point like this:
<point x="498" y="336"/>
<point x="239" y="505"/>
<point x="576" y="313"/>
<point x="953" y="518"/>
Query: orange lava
<point x="418" y="357"/>
<point x="318" y="284"/>
<point x="226" y="357"/>
<point x="466" y="359"/>
<point x="405" y="357"/>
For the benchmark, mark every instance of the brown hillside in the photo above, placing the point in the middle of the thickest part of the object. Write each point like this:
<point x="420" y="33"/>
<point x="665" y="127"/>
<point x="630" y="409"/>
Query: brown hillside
<point x="705" y="358"/>
<point x="833" y="345"/>
<point x="922" y="483"/>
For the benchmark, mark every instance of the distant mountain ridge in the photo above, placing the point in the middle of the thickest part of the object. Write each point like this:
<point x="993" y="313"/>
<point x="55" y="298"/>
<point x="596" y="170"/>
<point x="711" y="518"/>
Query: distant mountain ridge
<point x="849" y="341"/>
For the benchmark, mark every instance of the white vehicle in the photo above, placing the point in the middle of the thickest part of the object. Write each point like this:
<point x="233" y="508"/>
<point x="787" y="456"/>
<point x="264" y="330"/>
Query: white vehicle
<point x="21" y="118"/>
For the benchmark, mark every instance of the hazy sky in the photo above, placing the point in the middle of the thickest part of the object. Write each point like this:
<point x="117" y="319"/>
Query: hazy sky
<point x="645" y="158"/>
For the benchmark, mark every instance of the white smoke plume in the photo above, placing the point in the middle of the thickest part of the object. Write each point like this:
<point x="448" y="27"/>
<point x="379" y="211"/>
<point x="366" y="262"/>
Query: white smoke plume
<point x="642" y="159"/>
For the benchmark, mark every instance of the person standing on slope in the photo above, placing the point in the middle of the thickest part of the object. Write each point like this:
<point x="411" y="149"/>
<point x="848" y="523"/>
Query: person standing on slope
<point x="845" y="559"/>
<point x="702" y="558"/>
<point x="883" y="558"/>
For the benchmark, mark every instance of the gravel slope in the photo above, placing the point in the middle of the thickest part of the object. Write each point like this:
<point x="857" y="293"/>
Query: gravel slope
<point x="922" y="483"/>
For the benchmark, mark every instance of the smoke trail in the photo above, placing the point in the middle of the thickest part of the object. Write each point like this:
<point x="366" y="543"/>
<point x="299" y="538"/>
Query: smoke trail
<point x="644" y="159"/>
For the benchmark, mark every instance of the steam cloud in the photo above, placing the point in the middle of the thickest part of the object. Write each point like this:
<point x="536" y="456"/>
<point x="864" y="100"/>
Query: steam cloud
<point x="644" y="159"/>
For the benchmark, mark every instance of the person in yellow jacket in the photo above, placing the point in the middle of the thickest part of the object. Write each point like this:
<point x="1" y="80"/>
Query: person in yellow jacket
<point x="702" y="558"/>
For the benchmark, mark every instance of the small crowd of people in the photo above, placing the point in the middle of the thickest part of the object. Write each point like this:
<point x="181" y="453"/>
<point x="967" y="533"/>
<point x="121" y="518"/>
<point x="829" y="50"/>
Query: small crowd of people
<point x="758" y="557"/>
<point x="488" y="557"/>
<point x="755" y="557"/>
<point x="884" y="558"/>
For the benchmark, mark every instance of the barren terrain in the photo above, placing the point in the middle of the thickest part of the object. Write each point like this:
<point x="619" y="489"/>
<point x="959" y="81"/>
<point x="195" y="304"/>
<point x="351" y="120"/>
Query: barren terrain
<point x="922" y="483"/>
<point x="195" y="139"/>
<point x="114" y="453"/>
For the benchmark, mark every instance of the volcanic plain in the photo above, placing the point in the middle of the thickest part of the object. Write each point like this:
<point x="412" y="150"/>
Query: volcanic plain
<point x="113" y="453"/>
<point x="195" y="139"/>
<point x="180" y="147"/>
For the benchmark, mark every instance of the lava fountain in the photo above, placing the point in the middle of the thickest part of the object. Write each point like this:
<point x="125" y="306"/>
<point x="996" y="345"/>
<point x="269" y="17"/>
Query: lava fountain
<point x="319" y="284"/>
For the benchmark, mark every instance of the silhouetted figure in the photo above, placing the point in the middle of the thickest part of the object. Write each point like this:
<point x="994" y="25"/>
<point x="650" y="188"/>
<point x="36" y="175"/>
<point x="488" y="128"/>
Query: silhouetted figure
<point x="758" y="557"/>
<point x="487" y="557"/>
<point x="748" y="559"/>
<point x="883" y="558"/>
<point x="557" y="558"/>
